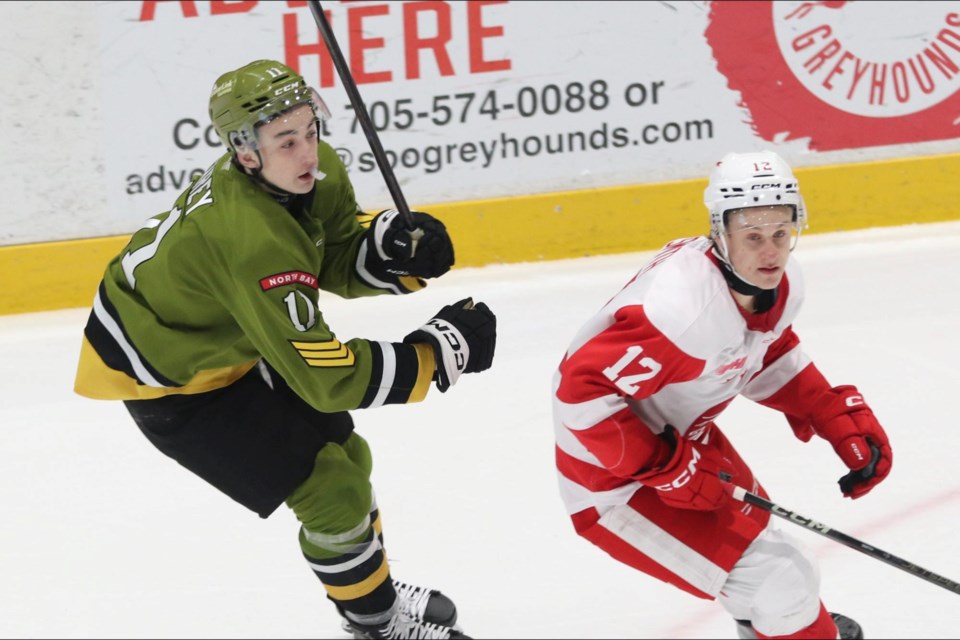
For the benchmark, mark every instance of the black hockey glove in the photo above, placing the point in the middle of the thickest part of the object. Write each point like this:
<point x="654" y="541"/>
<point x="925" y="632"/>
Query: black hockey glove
<point x="425" y="251"/>
<point x="463" y="336"/>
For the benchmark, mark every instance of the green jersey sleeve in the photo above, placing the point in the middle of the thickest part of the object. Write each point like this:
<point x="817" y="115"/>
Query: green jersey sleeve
<point x="229" y="276"/>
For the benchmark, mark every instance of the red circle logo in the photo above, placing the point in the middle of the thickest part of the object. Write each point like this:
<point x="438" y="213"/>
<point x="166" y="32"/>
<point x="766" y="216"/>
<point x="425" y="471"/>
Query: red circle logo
<point x="842" y="74"/>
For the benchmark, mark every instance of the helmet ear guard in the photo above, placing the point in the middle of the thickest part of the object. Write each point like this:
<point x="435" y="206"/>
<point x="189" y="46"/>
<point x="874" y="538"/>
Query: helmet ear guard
<point x="236" y="140"/>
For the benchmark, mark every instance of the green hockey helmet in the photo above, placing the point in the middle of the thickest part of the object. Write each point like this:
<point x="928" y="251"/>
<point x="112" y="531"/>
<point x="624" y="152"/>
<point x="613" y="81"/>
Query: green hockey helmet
<point x="254" y="94"/>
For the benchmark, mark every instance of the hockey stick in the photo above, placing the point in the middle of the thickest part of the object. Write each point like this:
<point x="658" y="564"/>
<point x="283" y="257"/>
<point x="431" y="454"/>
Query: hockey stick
<point x="750" y="498"/>
<point x="361" y="110"/>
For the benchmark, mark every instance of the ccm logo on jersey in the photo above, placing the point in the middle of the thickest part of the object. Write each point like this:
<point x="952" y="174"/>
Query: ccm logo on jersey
<point x="684" y="476"/>
<point x="288" y="277"/>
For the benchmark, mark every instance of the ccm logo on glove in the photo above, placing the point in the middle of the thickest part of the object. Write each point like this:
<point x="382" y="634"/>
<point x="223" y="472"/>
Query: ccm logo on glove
<point x="855" y="401"/>
<point x="685" y="475"/>
<point x="842" y="418"/>
<point x="459" y="351"/>
<point x="463" y="336"/>
<point x="691" y="479"/>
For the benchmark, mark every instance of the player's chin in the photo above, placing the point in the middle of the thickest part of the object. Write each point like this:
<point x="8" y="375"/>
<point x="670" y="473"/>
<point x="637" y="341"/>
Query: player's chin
<point x="302" y="184"/>
<point x="768" y="278"/>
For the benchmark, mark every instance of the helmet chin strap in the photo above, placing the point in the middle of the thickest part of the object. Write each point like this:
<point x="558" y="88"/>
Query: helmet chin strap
<point x="257" y="176"/>
<point x="737" y="282"/>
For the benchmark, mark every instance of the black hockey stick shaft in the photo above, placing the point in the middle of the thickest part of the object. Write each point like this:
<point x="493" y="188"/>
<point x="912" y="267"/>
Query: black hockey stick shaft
<point x="361" y="110"/>
<point x="750" y="498"/>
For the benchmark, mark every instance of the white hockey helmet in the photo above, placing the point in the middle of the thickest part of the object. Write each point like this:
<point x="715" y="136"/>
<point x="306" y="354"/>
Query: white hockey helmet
<point x="755" y="179"/>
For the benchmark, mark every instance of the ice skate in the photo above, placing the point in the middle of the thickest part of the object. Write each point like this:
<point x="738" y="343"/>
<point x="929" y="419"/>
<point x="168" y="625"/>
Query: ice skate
<point x="426" y="605"/>
<point x="849" y="629"/>
<point x="420" y="605"/>
<point x="402" y="627"/>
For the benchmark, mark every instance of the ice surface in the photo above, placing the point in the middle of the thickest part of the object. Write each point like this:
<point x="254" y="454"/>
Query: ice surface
<point x="102" y="536"/>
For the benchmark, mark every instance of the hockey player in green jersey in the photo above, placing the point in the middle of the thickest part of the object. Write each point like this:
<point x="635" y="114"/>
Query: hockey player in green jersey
<point x="207" y="327"/>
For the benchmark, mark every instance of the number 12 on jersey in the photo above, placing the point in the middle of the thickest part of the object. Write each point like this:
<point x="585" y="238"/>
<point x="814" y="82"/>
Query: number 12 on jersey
<point x="629" y="384"/>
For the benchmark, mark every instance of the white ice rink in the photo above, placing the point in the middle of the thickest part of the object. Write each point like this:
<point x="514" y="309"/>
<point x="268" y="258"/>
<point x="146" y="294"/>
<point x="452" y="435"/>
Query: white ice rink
<point x="102" y="536"/>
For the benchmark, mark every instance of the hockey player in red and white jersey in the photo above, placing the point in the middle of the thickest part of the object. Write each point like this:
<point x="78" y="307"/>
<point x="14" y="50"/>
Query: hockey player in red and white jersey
<point x="639" y="454"/>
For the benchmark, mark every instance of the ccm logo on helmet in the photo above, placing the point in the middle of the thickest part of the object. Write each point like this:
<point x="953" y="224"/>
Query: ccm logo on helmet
<point x="285" y="88"/>
<point x="684" y="476"/>
<point x="767" y="185"/>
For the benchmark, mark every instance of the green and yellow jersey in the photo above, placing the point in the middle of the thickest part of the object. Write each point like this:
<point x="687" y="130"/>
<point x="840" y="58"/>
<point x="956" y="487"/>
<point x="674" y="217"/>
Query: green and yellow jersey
<point x="231" y="274"/>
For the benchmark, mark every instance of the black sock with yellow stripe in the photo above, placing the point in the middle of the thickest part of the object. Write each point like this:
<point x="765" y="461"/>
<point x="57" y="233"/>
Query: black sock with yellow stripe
<point x="354" y="572"/>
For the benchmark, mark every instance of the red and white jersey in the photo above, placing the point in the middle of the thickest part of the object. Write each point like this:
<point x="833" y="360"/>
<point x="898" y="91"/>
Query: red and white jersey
<point x="671" y="348"/>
